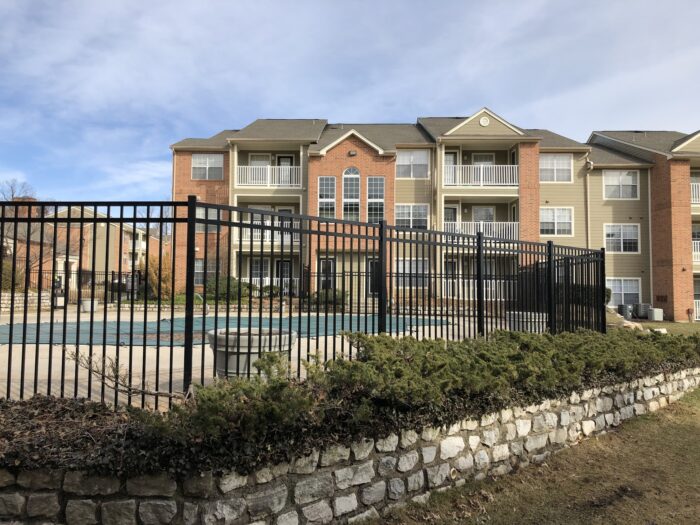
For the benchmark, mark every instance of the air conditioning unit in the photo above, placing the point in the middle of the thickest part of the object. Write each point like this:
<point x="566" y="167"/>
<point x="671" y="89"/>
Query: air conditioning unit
<point x="641" y="310"/>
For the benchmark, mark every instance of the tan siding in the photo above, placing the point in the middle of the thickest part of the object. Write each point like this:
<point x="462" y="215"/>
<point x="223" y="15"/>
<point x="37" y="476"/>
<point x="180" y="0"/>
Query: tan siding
<point x="413" y="191"/>
<point x="622" y="212"/>
<point x="243" y="156"/>
<point x="568" y="194"/>
<point x="474" y="128"/>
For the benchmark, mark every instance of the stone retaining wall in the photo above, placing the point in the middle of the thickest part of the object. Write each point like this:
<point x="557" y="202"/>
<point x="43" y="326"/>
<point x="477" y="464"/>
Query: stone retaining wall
<point x="341" y="484"/>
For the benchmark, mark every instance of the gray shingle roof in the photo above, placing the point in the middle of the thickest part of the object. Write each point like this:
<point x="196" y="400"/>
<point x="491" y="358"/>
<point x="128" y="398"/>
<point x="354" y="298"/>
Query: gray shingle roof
<point x="386" y="136"/>
<point x="602" y="156"/>
<point x="687" y="138"/>
<point x="549" y="139"/>
<point x="663" y="141"/>
<point x="302" y="130"/>
<point x="218" y="141"/>
<point x="437" y="126"/>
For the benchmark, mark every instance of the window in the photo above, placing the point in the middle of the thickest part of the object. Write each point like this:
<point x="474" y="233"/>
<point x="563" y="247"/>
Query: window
<point x="412" y="273"/>
<point x="326" y="197"/>
<point x="622" y="238"/>
<point x="351" y="194"/>
<point x="199" y="273"/>
<point x="556" y="167"/>
<point x="483" y="213"/>
<point x="412" y="164"/>
<point x="556" y="221"/>
<point x="259" y="159"/>
<point x="375" y="199"/>
<point x="259" y="272"/>
<point x="483" y="159"/>
<point x="412" y="216"/>
<point x="207" y="166"/>
<point x="620" y="184"/>
<point x="209" y="214"/>
<point x="624" y="291"/>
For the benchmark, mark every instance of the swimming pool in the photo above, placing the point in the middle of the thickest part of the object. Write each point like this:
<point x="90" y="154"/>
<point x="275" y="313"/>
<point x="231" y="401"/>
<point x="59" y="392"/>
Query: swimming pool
<point x="172" y="331"/>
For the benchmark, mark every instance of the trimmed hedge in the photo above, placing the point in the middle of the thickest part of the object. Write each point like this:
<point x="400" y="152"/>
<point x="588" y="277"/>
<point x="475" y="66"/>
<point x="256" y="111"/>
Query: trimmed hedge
<point x="389" y="385"/>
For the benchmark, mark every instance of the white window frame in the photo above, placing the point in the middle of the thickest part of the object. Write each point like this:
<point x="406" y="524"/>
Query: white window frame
<point x="622" y="280"/>
<point x="208" y="214"/>
<point x="375" y="200"/>
<point x="637" y="174"/>
<point x="492" y="208"/>
<point x="327" y="200"/>
<point x="412" y="205"/>
<point x="412" y="177"/>
<point x="622" y="238"/>
<point x="354" y="200"/>
<point x="555" y="234"/>
<point x="267" y="155"/>
<point x="416" y="278"/>
<point x="208" y="157"/>
<point x="200" y="273"/>
<point x="490" y="154"/>
<point x="570" y="156"/>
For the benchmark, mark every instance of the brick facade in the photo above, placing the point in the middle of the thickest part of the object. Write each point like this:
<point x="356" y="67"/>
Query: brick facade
<point x="671" y="236"/>
<point x="529" y="196"/>
<point x="334" y="163"/>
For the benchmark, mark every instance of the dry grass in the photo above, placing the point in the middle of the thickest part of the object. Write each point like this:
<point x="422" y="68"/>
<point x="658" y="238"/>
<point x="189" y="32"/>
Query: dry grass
<point x="646" y="472"/>
<point x="674" y="328"/>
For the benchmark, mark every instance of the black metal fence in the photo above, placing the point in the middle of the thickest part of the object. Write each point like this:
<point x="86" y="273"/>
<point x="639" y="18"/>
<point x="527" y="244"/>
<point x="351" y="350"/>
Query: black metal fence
<point x="134" y="301"/>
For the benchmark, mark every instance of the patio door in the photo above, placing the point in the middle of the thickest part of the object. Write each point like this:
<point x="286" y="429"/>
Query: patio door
<point x="450" y="170"/>
<point x="450" y="222"/>
<point x="450" y="277"/>
<point x="285" y="163"/>
<point x="373" y="276"/>
<point x="283" y="276"/>
<point x="326" y="273"/>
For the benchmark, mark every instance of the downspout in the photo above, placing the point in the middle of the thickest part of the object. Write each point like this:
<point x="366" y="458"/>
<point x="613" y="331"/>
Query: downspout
<point x="651" y="258"/>
<point x="589" y="168"/>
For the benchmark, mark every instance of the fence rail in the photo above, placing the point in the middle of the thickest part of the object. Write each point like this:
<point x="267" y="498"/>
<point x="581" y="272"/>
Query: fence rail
<point x="216" y="290"/>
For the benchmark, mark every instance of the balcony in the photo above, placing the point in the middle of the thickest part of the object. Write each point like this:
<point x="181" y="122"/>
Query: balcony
<point x="269" y="176"/>
<point x="695" y="192"/>
<point x="478" y="175"/>
<point x="696" y="252"/>
<point x="285" y="285"/>
<point x="499" y="230"/>
<point x="262" y="232"/>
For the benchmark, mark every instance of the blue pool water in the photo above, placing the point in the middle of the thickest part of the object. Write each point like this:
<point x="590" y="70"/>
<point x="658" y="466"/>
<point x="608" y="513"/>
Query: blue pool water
<point x="112" y="333"/>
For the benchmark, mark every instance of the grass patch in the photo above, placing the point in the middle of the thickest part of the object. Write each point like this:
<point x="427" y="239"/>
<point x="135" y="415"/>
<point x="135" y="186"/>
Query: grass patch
<point x="674" y="328"/>
<point x="646" y="472"/>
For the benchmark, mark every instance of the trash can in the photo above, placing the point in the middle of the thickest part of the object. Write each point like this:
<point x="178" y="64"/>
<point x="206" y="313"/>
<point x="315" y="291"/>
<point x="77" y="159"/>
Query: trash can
<point x="625" y="310"/>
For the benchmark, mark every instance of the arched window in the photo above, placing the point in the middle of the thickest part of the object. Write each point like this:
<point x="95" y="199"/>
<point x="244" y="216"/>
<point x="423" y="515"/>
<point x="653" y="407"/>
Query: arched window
<point x="351" y="194"/>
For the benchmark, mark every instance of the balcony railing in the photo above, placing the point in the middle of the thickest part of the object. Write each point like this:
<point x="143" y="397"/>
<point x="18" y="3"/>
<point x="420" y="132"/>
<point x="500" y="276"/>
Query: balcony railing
<point x="475" y="175"/>
<point x="697" y="310"/>
<point x="285" y="285"/>
<point x="695" y="192"/>
<point x="269" y="176"/>
<point x="466" y="289"/>
<point x="500" y="230"/>
<point x="262" y="231"/>
<point x="696" y="251"/>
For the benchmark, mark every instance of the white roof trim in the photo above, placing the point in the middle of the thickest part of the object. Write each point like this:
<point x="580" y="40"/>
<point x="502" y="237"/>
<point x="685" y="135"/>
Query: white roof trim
<point x="346" y="135"/>
<point x="492" y="115"/>
<point x="684" y="144"/>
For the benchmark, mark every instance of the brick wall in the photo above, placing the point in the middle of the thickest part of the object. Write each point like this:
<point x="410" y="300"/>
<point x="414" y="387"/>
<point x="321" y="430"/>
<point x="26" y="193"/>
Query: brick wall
<point x="671" y="235"/>
<point x="334" y="163"/>
<point x="529" y="203"/>
<point x="214" y="192"/>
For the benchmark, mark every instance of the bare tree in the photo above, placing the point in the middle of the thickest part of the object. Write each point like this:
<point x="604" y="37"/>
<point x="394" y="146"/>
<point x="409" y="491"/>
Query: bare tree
<point x="16" y="189"/>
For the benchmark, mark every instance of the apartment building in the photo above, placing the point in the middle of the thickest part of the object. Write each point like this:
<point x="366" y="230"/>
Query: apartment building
<point x="629" y="192"/>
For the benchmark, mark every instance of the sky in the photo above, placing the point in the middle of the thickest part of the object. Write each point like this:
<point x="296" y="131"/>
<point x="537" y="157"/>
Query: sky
<point x="93" y="93"/>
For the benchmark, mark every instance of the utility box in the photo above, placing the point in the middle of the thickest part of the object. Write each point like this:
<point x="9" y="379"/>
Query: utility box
<point x="656" y="314"/>
<point x="625" y="310"/>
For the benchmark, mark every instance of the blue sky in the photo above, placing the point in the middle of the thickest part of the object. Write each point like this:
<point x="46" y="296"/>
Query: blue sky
<point x="92" y="93"/>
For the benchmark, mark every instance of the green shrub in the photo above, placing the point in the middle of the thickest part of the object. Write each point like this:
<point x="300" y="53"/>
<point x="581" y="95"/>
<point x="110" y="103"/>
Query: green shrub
<point x="328" y="297"/>
<point x="227" y="287"/>
<point x="608" y="295"/>
<point x="7" y="282"/>
<point x="389" y="384"/>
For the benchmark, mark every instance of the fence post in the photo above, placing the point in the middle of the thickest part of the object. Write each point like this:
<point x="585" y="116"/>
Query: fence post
<point x="189" y="290"/>
<point x="551" y="306"/>
<point x="382" y="277"/>
<point x="603" y="293"/>
<point x="480" y="306"/>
